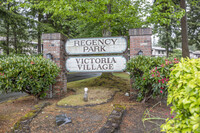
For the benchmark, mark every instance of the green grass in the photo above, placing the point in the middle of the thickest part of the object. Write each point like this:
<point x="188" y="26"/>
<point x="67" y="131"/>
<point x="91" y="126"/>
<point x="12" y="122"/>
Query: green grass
<point x="117" y="81"/>
<point x="100" y="89"/>
<point x="122" y="75"/>
<point x="95" y="96"/>
<point x="79" y="83"/>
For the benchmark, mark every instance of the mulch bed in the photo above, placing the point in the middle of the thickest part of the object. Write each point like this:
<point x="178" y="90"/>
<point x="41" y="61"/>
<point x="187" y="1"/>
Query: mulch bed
<point x="86" y="119"/>
<point x="132" y="120"/>
<point x="12" y="111"/>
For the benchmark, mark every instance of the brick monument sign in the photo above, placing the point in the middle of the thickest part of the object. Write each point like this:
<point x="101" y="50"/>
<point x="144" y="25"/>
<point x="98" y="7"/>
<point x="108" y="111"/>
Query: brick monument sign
<point x="67" y="54"/>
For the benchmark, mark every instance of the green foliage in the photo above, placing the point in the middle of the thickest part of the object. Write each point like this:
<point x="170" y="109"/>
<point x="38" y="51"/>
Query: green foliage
<point x="176" y="54"/>
<point x="164" y="11"/>
<point x="20" y="27"/>
<point x="29" y="74"/>
<point x="89" y="18"/>
<point x="170" y="34"/>
<point x="184" y="95"/>
<point x="194" y="22"/>
<point x="150" y="75"/>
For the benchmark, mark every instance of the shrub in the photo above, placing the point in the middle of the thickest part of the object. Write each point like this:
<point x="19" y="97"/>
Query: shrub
<point x="160" y="77"/>
<point x="184" y="95"/>
<point x="30" y="74"/>
<point x="139" y="68"/>
<point x="150" y="75"/>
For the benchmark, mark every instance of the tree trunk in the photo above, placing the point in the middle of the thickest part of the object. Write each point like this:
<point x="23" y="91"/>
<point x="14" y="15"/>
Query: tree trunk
<point x="39" y="33"/>
<point x="7" y="34"/>
<point x="7" y="38"/>
<point x="167" y="38"/>
<point x="15" y="38"/>
<point x="167" y="49"/>
<point x="184" y="34"/>
<point x="106" y="32"/>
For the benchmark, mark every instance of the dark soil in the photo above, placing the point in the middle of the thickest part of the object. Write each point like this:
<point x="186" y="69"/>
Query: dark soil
<point x="11" y="111"/>
<point x="132" y="121"/>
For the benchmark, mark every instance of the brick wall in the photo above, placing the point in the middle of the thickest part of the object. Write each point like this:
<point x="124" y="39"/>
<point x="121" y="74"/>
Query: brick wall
<point x="54" y="43"/>
<point x="140" y="39"/>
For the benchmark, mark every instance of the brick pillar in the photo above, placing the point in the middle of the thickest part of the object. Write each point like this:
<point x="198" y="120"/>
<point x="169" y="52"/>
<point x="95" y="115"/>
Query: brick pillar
<point x="140" y="39"/>
<point x="54" y="43"/>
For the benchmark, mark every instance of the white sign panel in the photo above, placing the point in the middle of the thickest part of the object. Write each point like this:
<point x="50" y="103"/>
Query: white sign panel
<point x="96" y="64"/>
<point x="96" y="45"/>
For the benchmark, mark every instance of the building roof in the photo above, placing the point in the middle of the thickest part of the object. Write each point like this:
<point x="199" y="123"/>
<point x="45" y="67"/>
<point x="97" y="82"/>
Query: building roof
<point x="158" y="48"/>
<point x="196" y="52"/>
<point x="193" y="52"/>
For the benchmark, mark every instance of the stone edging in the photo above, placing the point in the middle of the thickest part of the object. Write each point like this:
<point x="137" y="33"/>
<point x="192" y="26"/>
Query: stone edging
<point x="89" y="105"/>
<point x="22" y="126"/>
<point x="114" y="120"/>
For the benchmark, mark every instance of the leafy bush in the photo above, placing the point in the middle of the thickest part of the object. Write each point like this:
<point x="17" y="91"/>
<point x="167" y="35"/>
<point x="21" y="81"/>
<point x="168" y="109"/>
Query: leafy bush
<point x="150" y="75"/>
<point x="160" y="77"/>
<point x="30" y="74"/>
<point x="184" y="95"/>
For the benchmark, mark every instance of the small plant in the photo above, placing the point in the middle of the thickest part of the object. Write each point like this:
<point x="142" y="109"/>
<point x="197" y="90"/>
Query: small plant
<point x="147" y="116"/>
<point x="29" y="74"/>
<point x="184" y="95"/>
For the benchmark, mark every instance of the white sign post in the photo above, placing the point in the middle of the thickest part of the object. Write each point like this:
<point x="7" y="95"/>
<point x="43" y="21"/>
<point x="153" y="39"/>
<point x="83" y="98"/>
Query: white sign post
<point x="96" y="64"/>
<point x="100" y="45"/>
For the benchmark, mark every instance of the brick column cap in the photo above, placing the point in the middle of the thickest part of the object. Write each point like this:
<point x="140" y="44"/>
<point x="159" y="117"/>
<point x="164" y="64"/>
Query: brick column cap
<point x="140" y="32"/>
<point x="54" y="36"/>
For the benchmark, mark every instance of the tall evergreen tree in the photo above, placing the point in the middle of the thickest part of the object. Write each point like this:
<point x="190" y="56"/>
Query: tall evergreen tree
<point x="166" y="30"/>
<point x="166" y="11"/>
<point x="194" y="23"/>
<point x="19" y="28"/>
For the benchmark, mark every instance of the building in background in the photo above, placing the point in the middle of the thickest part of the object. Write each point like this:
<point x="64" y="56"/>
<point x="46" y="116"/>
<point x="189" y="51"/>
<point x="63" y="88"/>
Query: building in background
<point x="196" y="54"/>
<point x="159" y="51"/>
